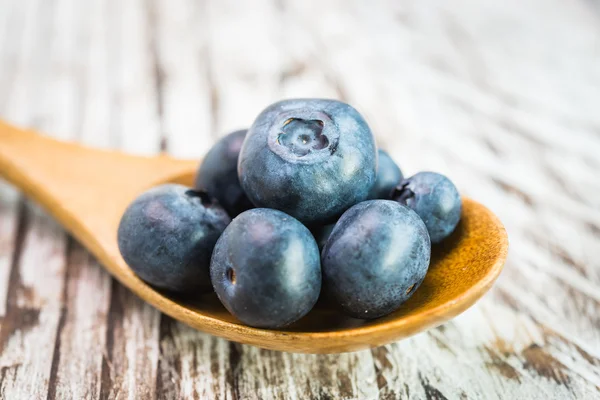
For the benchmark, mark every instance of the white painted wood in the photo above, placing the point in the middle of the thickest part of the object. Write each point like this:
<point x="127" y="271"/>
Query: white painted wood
<point x="51" y="93"/>
<point x="98" y="111"/>
<point x="35" y="296"/>
<point x="193" y="363"/>
<point x="9" y="215"/>
<point x="60" y="65"/>
<point x="83" y="330"/>
<point x="134" y="103"/>
<point x="246" y="59"/>
<point x="35" y="286"/>
<point x="83" y="320"/>
<point x="129" y="369"/>
<point x="182" y="72"/>
<point x="130" y="361"/>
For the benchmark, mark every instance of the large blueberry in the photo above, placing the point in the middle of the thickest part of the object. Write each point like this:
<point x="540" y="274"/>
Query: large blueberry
<point x="218" y="174"/>
<point x="435" y="198"/>
<point x="388" y="177"/>
<point x="167" y="236"/>
<point x="265" y="268"/>
<point x="376" y="257"/>
<point x="310" y="158"/>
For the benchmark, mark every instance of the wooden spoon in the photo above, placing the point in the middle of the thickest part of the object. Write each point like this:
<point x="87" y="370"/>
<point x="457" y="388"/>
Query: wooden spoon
<point x="87" y="190"/>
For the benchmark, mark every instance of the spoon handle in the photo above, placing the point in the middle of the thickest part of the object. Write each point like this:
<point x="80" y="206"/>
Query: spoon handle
<point x="34" y="163"/>
<point x="85" y="189"/>
<point x="44" y="167"/>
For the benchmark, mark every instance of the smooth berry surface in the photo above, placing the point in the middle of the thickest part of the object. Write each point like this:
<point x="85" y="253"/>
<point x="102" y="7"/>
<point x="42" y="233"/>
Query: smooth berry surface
<point x="310" y="158"/>
<point x="218" y="174"/>
<point x="265" y="268"/>
<point x="376" y="257"/>
<point x="167" y="235"/>
<point x="389" y="176"/>
<point x="435" y="199"/>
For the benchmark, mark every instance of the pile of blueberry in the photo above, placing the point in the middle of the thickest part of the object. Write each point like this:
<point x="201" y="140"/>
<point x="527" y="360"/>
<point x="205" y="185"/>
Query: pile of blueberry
<point x="317" y="209"/>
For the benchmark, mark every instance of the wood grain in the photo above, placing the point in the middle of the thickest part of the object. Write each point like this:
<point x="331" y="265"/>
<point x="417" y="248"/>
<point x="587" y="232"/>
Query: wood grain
<point x="502" y="97"/>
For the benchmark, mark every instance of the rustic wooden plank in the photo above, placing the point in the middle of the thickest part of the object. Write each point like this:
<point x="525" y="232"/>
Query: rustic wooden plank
<point x="80" y="344"/>
<point x="246" y="59"/>
<point x="99" y="112"/>
<point x="182" y="72"/>
<point x="133" y="77"/>
<point x="35" y="286"/>
<point x="13" y="28"/>
<point x="19" y="67"/>
<point x="56" y="113"/>
<point x="34" y="300"/>
<point x="9" y="214"/>
<point x="81" y="334"/>
<point x="348" y="376"/>
<point x="129" y="367"/>
<point x="58" y="97"/>
<point x="509" y="358"/>
<point x="192" y="364"/>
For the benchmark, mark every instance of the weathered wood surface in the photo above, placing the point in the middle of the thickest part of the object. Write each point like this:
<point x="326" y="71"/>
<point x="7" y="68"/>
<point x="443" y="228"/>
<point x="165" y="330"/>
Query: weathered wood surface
<point x="504" y="97"/>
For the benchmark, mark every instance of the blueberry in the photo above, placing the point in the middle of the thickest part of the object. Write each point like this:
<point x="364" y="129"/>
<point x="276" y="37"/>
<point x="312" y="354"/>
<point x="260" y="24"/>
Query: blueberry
<point x="218" y="174"/>
<point x="167" y="235"/>
<point x="435" y="198"/>
<point x="265" y="268"/>
<point x="310" y="158"/>
<point x="375" y="259"/>
<point x="388" y="177"/>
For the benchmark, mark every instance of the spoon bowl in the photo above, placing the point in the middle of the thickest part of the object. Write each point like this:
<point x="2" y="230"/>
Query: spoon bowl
<point x="87" y="190"/>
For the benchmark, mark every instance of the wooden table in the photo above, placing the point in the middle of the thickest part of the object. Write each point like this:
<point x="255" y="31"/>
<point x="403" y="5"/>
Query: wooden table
<point x="504" y="97"/>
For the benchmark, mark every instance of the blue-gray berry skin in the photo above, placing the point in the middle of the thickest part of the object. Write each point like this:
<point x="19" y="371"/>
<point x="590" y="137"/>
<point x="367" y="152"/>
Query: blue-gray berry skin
<point x="311" y="158"/>
<point x="265" y="268"/>
<point x="167" y="236"/>
<point x="435" y="199"/>
<point x="218" y="174"/>
<point x="388" y="177"/>
<point x="375" y="259"/>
